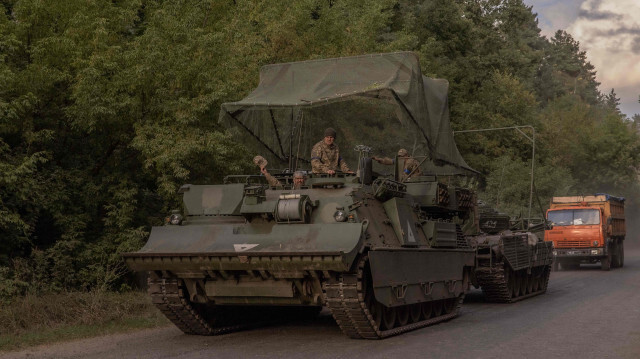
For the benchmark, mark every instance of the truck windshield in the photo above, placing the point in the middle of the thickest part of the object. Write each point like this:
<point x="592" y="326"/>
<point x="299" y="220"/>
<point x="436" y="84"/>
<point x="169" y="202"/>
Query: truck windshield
<point x="569" y="217"/>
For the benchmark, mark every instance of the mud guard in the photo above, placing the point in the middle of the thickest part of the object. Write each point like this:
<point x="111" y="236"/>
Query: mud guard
<point x="418" y="276"/>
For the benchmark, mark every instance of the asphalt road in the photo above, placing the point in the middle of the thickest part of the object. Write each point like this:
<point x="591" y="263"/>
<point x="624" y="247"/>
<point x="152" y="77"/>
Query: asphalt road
<point x="586" y="313"/>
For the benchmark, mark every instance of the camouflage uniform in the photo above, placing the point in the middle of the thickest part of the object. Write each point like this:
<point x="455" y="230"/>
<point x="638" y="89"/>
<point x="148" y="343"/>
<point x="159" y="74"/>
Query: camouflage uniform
<point x="409" y="165"/>
<point x="326" y="157"/>
<point x="273" y="182"/>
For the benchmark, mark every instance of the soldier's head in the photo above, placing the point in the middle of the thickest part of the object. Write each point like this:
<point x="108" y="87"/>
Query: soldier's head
<point x="403" y="153"/>
<point x="329" y="136"/>
<point x="298" y="178"/>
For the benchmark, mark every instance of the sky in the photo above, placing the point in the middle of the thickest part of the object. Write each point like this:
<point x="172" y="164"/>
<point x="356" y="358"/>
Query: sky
<point x="609" y="31"/>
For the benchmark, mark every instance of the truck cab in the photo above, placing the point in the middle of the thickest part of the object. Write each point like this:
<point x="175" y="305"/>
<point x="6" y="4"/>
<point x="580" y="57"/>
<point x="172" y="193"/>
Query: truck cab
<point x="586" y="229"/>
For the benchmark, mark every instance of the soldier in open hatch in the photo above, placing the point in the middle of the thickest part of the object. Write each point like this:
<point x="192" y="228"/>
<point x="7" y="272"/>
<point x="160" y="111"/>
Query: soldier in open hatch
<point x="325" y="155"/>
<point x="410" y="167"/>
<point x="299" y="177"/>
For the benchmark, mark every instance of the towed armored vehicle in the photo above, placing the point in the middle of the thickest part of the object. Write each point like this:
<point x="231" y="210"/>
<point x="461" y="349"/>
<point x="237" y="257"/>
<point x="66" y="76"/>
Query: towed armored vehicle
<point x="382" y="249"/>
<point x="512" y="263"/>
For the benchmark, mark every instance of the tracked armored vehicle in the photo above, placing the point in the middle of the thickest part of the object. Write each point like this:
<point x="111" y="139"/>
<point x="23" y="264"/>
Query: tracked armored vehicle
<point x="511" y="264"/>
<point x="385" y="254"/>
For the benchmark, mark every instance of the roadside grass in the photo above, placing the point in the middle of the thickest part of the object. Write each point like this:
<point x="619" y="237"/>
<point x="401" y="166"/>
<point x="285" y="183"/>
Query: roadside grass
<point x="34" y="320"/>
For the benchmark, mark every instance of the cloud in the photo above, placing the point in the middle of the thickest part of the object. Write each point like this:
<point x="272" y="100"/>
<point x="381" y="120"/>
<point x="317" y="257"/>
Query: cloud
<point x="621" y="40"/>
<point x="636" y="46"/>
<point x="555" y="14"/>
<point x="629" y="99"/>
<point x="609" y="31"/>
<point x="598" y="15"/>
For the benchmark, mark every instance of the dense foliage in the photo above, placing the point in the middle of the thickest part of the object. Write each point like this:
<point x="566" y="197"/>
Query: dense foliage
<point x="107" y="107"/>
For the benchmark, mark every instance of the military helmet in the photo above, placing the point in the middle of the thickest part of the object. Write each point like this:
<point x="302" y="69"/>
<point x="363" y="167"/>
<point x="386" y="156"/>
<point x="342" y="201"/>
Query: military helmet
<point x="330" y="132"/>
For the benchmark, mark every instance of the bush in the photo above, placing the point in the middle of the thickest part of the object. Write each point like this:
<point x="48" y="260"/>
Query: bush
<point x="9" y="286"/>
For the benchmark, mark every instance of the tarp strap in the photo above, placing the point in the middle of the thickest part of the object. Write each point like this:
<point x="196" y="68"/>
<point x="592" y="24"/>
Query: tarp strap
<point x="252" y="134"/>
<point x="406" y="110"/>
<point x="275" y="128"/>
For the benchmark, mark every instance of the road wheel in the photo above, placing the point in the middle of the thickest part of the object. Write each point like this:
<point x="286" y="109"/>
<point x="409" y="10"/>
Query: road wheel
<point x="415" y="311"/>
<point x="510" y="278"/>
<point x="530" y="280"/>
<point x="450" y="305"/>
<point x="524" y="284"/>
<point x="375" y="308"/>
<point x="427" y="309"/>
<point x="536" y="282"/>
<point x="437" y="308"/>
<point x="533" y="281"/>
<point x="402" y="315"/>
<point x="388" y="317"/>
<point x="517" y="285"/>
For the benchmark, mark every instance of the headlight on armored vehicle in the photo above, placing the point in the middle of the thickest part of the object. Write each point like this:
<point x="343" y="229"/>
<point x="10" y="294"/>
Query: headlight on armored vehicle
<point x="175" y="219"/>
<point x="340" y="216"/>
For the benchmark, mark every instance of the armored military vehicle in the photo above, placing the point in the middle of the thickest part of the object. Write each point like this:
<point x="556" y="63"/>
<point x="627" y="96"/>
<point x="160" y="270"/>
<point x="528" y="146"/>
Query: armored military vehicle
<point x="511" y="263"/>
<point x="384" y="255"/>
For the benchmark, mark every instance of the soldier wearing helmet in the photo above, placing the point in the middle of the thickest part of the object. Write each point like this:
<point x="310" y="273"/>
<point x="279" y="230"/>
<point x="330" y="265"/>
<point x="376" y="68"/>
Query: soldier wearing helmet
<point x="325" y="155"/>
<point x="410" y="167"/>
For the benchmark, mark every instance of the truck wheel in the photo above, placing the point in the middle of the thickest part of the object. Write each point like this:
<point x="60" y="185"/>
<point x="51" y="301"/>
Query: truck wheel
<point x="615" y="254"/>
<point x="605" y="263"/>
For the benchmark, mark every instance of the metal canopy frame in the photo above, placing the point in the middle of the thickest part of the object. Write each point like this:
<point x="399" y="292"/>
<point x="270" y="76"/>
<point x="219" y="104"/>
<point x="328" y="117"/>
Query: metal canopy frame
<point x="533" y="152"/>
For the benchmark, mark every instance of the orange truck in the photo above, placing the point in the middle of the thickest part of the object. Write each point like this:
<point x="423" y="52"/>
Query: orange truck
<point x="586" y="229"/>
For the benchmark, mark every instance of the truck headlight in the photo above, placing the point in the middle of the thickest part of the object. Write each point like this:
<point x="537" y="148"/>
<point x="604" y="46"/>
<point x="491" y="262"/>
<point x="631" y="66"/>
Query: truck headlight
<point x="595" y="251"/>
<point x="555" y="253"/>
<point x="595" y="243"/>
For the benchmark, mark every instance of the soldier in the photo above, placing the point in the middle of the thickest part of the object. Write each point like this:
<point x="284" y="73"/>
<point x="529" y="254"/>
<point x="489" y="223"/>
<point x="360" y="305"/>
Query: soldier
<point x="410" y="167"/>
<point x="299" y="177"/>
<point x="325" y="156"/>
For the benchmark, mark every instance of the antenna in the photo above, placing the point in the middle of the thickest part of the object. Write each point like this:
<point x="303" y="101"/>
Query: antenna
<point x="363" y="151"/>
<point x="295" y="168"/>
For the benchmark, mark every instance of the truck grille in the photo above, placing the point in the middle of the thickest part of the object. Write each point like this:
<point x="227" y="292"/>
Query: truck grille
<point x="574" y="243"/>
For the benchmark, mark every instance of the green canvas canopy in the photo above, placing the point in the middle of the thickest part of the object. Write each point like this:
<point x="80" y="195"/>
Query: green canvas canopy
<point x="379" y="100"/>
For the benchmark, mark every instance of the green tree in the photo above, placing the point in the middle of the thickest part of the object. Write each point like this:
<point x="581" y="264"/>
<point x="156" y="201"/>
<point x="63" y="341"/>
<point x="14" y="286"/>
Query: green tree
<point x="106" y="108"/>
<point x="570" y="70"/>
<point x="599" y="148"/>
<point x="612" y="103"/>
<point x="509" y="183"/>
